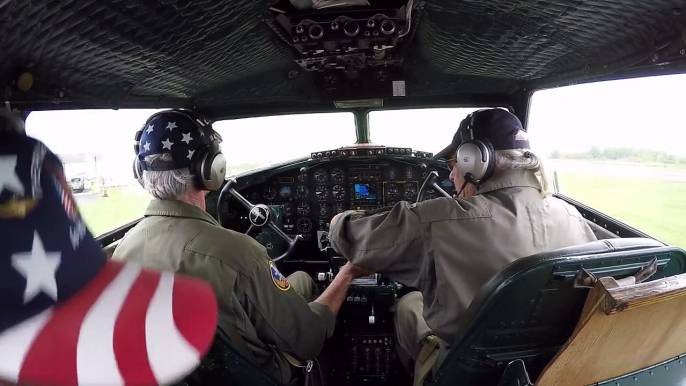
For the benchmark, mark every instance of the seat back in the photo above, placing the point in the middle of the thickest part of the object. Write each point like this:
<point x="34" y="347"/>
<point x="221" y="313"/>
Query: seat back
<point x="530" y="308"/>
<point x="225" y="364"/>
<point x="626" y="329"/>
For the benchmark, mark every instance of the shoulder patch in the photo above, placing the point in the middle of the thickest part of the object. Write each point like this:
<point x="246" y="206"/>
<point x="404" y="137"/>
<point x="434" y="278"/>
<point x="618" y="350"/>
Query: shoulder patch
<point x="278" y="278"/>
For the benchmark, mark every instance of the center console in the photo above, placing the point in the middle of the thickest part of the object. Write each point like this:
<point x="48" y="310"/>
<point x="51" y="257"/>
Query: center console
<point x="364" y="341"/>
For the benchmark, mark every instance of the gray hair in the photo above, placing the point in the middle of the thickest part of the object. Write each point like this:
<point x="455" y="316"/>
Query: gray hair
<point x="515" y="159"/>
<point x="166" y="185"/>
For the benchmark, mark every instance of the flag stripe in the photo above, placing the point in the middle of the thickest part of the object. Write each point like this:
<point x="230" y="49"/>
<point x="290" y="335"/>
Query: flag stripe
<point x="129" y="332"/>
<point x="95" y="359"/>
<point x="15" y="343"/>
<point x="171" y="356"/>
<point x="194" y="301"/>
<point x="52" y="357"/>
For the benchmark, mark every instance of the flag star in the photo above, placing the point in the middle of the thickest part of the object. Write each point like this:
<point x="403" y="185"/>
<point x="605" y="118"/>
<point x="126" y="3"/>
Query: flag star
<point x="167" y="144"/>
<point x="171" y="125"/>
<point x="150" y="129"/>
<point x="187" y="138"/>
<point x="39" y="269"/>
<point x="147" y="146"/>
<point x="8" y="175"/>
<point x="190" y="154"/>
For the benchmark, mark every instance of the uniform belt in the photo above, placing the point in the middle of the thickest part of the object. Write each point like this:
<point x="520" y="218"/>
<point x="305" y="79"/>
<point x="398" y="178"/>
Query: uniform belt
<point x="426" y="359"/>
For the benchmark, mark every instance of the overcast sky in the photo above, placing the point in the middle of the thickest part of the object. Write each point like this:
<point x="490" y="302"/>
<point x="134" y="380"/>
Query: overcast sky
<point x="647" y="112"/>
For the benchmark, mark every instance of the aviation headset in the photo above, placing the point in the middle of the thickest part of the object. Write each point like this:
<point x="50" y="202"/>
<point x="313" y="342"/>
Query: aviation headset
<point x="475" y="158"/>
<point x="207" y="166"/>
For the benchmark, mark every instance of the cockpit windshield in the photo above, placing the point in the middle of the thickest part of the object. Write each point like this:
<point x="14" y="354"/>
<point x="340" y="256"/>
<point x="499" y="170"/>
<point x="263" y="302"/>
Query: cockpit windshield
<point x="251" y="143"/>
<point x="429" y="129"/>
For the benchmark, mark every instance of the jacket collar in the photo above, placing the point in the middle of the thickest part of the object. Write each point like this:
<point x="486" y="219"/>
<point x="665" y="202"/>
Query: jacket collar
<point x="175" y="208"/>
<point x="510" y="179"/>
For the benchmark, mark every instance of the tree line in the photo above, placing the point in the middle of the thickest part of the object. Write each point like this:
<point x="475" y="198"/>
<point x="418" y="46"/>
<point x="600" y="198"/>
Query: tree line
<point x="622" y="154"/>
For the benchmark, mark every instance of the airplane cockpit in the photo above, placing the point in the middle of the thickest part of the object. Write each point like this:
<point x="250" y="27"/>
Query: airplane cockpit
<point x="606" y="312"/>
<point x="288" y="208"/>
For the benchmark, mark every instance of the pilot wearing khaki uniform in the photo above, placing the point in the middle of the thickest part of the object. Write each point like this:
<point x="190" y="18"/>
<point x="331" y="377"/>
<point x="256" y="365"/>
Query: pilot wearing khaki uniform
<point x="449" y="247"/>
<point x="272" y="316"/>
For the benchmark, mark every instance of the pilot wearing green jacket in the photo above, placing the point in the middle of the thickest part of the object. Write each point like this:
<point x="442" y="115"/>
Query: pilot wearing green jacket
<point x="275" y="317"/>
<point x="448" y="248"/>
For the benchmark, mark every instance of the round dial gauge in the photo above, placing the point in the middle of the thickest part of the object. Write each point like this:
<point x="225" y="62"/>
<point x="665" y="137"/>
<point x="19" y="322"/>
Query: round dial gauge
<point x="269" y="192"/>
<point x="339" y="208"/>
<point x="323" y="210"/>
<point x="410" y="191"/>
<point x="287" y="210"/>
<point x="392" y="190"/>
<point x="303" y="209"/>
<point x="409" y="173"/>
<point x="320" y="176"/>
<point x="304" y="225"/>
<point x="392" y="173"/>
<point x="285" y="191"/>
<point x="337" y="175"/>
<point x="391" y="203"/>
<point x="322" y="193"/>
<point x="338" y="192"/>
<point x="301" y="192"/>
<point x="302" y="177"/>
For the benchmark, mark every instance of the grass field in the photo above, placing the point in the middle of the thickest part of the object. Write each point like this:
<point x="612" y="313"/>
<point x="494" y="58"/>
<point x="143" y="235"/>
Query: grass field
<point x="122" y="205"/>
<point x="656" y="207"/>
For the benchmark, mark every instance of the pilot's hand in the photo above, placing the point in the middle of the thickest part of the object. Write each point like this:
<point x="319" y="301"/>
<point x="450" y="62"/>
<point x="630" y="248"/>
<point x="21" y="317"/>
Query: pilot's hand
<point x="355" y="271"/>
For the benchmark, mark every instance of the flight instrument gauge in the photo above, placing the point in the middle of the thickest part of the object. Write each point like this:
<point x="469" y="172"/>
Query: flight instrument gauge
<point x="322" y="193"/>
<point x="301" y="192"/>
<point x="269" y="193"/>
<point x="392" y="190"/>
<point x="339" y="208"/>
<point x="338" y="192"/>
<point x="287" y="210"/>
<point x="392" y="173"/>
<point x="303" y="209"/>
<point x="302" y="177"/>
<point x="323" y="210"/>
<point x="410" y="191"/>
<point x="409" y="173"/>
<point x="320" y="176"/>
<point x="254" y="196"/>
<point x="337" y="175"/>
<point x="304" y="225"/>
<point x="285" y="191"/>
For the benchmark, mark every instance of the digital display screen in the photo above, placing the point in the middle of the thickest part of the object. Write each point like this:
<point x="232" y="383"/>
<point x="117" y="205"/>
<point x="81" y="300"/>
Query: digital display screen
<point x="446" y="183"/>
<point x="365" y="192"/>
<point x="365" y="280"/>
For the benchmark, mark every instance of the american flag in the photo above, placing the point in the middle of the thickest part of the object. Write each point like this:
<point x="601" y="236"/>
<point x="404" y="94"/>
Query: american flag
<point x="70" y="316"/>
<point x="66" y="196"/>
<point x="127" y="326"/>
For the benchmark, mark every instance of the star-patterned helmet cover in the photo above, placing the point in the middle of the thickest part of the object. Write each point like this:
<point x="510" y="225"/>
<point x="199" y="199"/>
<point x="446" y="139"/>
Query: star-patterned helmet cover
<point x="46" y="251"/>
<point x="178" y="134"/>
<point x="68" y="314"/>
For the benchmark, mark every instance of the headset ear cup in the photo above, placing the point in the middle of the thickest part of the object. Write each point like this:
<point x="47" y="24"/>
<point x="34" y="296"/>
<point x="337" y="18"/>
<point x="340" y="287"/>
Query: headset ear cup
<point x="197" y="165"/>
<point x="490" y="163"/>
<point x="217" y="172"/>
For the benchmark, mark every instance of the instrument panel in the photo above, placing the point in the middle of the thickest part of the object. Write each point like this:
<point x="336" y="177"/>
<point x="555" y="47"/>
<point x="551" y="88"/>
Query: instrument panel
<point x="309" y="197"/>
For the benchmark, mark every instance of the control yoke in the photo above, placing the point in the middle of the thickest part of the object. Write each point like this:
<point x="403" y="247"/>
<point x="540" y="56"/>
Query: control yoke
<point x="431" y="181"/>
<point x="259" y="216"/>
